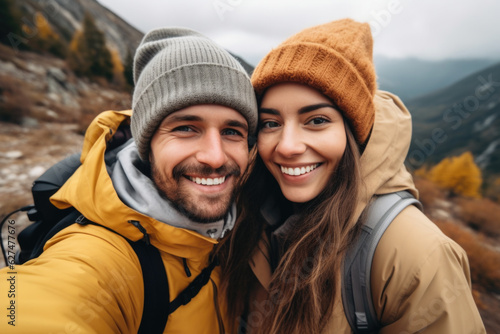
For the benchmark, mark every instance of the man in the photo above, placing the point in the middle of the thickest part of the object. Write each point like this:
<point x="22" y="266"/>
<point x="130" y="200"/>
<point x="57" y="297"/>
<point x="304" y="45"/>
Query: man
<point x="173" y="185"/>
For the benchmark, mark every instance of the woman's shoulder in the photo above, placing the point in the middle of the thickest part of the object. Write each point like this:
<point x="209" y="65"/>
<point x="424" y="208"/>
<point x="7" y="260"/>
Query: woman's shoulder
<point x="413" y="236"/>
<point x="416" y="264"/>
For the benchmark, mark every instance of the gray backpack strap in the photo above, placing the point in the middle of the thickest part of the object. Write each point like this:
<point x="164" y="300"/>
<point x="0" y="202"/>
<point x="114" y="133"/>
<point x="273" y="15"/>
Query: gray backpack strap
<point x="356" y="288"/>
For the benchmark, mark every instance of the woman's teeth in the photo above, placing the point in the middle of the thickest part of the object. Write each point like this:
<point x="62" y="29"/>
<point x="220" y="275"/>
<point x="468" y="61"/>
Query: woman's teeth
<point x="208" y="181"/>
<point x="298" y="170"/>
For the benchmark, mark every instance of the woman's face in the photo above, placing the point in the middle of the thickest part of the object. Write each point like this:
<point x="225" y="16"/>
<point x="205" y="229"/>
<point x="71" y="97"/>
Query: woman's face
<point x="301" y="139"/>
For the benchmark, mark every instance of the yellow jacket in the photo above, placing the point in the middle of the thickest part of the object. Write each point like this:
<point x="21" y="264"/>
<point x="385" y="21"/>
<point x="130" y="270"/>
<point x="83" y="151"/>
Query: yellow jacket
<point x="88" y="279"/>
<point x="420" y="278"/>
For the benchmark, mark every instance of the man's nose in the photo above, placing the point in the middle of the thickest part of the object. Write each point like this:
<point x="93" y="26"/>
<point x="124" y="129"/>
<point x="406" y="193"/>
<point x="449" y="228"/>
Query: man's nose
<point x="211" y="151"/>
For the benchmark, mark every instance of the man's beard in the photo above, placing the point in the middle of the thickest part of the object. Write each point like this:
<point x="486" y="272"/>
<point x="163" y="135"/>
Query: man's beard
<point x="184" y="202"/>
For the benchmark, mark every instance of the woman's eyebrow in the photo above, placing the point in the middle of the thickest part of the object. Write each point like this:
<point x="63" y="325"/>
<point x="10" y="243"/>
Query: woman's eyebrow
<point x="313" y="107"/>
<point x="269" y="111"/>
<point x="302" y="110"/>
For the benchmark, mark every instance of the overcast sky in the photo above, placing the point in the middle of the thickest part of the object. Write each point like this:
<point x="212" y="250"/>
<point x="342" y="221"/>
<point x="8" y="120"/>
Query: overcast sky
<point x="426" y="29"/>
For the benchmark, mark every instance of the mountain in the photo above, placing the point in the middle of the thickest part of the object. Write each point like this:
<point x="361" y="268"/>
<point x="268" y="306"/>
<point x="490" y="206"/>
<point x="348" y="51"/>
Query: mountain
<point x="65" y="17"/>
<point x="464" y="116"/>
<point x="409" y="77"/>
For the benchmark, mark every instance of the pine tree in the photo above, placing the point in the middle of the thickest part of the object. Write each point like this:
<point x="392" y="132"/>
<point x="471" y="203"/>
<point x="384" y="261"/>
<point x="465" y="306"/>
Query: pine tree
<point x="89" y="55"/>
<point x="118" y="68"/>
<point x="77" y="53"/>
<point x="46" y="39"/>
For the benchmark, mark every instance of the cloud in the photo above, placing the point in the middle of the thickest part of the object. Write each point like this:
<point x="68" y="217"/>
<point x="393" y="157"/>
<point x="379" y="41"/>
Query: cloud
<point x="402" y="28"/>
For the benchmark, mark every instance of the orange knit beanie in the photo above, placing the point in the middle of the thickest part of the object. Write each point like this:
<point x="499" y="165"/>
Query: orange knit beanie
<point x="334" y="58"/>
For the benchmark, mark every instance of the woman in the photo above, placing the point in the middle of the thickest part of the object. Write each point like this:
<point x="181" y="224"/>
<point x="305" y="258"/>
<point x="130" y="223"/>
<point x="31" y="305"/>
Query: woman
<point x="329" y="143"/>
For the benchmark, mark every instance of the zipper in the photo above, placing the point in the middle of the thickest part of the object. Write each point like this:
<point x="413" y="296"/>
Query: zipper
<point x="217" y="309"/>
<point x="186" y="268"/>
<point x="142" y="229"/>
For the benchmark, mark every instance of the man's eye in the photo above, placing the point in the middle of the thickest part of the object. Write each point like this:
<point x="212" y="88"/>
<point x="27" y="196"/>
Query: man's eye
<point x="183" y="128"/>
<point x="232" y="132"/>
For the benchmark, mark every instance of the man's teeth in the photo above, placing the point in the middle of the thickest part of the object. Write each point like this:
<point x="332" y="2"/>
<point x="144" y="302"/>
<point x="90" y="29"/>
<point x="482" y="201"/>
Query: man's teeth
<point x="298" y="170"/>
<point x="208" y="181"/>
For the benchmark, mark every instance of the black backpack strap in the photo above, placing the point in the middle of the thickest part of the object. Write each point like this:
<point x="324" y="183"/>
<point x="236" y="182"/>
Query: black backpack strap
<point x="356" y="287"/>
<point x="156" y="294"/>
<point x="193" y="288"/>
<point x="157" y="305"/>
<point x="33" y="231"/>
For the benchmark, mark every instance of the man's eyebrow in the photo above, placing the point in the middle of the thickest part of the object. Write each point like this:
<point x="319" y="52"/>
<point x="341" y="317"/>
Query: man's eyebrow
<point x="194" y="118"/>
<point x="237" y="124"/>
<point x="183" y="118"/>
<point x="302" y="110"/>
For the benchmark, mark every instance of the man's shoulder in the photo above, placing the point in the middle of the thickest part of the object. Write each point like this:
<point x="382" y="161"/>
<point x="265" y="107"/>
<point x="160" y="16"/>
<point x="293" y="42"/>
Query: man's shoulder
<point x="92" y="243"/>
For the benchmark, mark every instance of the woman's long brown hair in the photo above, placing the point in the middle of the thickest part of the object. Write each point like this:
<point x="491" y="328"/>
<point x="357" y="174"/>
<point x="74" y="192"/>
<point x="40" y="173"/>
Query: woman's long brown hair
<point x="303" y="286"/>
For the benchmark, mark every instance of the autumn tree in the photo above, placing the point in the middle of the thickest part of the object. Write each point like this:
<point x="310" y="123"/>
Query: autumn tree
<point x="45" y="38"/>
<point x="118" y="68"/>
<point x="88" y="55"/>
<point x="458" y="174"/>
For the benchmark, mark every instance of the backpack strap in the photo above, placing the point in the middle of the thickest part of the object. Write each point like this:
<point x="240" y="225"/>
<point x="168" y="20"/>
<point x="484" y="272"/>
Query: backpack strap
<point x="156" y="294"/>
<point x="157" y="304"/>
<point x="35" y="230"/>
<point x="356" y="280"/>
<point x="193" y="288"/>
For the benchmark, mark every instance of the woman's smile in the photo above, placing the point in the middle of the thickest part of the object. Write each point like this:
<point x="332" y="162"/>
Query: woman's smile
<point x="301" y="140"/>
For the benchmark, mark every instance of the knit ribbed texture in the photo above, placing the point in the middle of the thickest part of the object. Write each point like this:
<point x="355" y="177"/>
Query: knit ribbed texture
<point x="334" y="58"/>
<point x="175" y="68"/>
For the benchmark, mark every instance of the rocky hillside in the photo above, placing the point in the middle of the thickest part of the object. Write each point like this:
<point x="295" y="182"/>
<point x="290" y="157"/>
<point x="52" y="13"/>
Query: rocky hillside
<point x="45" y="109"/>
<point x="65" y="17"/>
<point x="462" y="117"/>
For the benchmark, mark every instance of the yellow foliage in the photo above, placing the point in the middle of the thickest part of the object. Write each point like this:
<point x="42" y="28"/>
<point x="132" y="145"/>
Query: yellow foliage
<point x="75" y="41"/>
<point x="422" y="171"/>
<point x="116" y="60"/>
<point x="439" y="173"/>
<point x="27" y="30"/>
<point x="459" y="174"/>
<point x="44" y="30"/>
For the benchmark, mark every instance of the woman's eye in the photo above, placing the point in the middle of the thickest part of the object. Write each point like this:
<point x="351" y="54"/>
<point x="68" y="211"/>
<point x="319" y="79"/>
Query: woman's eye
<point x="318" y="121"/>
<point x="269" y="124"/>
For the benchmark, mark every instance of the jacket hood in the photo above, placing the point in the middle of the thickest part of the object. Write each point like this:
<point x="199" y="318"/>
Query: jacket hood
<point x="382" y="162"/>
<point x="90" y="190"/>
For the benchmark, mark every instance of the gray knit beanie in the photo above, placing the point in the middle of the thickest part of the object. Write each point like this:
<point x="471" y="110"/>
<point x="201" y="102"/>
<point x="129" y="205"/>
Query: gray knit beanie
<point x="175" y="68"/>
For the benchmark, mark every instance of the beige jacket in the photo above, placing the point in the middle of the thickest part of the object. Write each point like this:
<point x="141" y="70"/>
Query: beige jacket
<point x="420" y="278"/>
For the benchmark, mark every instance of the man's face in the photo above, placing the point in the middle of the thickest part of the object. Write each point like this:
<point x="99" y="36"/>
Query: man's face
<point x="197" y="156"/>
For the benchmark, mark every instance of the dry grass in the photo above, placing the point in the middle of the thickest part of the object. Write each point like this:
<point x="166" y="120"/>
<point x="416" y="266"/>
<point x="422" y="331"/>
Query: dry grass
<point x="429" y="193"/>
<point x="13" y="105"/>
<point x="484" y="261"/>
<point x="480" y="214"/>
